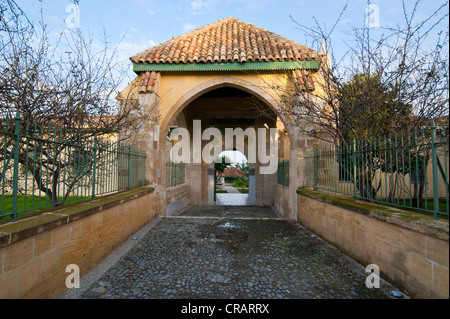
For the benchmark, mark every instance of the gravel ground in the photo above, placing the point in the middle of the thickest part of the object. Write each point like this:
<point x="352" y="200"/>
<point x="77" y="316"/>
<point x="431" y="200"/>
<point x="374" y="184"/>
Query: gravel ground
<point x="219" y="252"/>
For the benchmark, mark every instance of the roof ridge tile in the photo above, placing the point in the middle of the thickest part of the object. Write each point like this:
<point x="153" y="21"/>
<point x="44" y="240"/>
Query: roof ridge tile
<point x="226" y="40"/>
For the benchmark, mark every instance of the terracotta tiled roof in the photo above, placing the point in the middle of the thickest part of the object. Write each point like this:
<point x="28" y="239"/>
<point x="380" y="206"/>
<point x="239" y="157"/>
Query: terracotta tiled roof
<point x="231" y="171"/>
<point x="303" y="79"/>
<point x="148" y="81"/>
<point x="227" y="40"/>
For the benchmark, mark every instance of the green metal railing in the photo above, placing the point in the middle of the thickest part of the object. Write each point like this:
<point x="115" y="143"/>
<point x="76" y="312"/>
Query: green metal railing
<point x="175" y="174"/>
<point x="404" y="170"/>
<point x="283" y="173"/>
<point x="46" y="166"/>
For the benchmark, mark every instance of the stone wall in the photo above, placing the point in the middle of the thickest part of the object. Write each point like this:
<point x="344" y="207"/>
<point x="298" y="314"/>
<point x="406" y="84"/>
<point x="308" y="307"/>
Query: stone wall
<point x="410" y="249"/>
<point x="281" y="199"/>
<point x="35" y="251"/>
<point x="177" y="198"/>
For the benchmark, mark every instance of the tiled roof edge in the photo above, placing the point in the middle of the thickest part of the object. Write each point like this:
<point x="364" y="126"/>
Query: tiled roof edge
<point x="228" y="66"/>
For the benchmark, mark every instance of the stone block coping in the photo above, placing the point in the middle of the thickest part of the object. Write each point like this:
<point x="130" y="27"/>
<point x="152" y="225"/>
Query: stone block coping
<point x="410" y="220"/>
<point x="36" y="223"/>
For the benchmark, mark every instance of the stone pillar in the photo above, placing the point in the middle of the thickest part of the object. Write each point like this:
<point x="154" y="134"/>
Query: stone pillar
<point x="194" y="180"/>
<point x="293" y="182"/>
<point x="251" y="186"/>
<point x="152" y="140"/>
<point x="211" y="177"/>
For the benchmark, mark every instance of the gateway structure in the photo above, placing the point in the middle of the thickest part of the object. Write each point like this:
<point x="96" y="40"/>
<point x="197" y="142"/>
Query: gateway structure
<point x="226" y="75"/>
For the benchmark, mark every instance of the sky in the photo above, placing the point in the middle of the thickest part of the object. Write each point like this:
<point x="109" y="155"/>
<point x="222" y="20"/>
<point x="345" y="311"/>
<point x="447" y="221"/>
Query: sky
<point x="137" y="25"/>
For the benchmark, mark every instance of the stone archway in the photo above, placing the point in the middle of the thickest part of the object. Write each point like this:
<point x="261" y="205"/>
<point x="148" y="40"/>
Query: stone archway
<point x="173" y="74"/>
<point x="205" y="173"/>
<point x="224" y="81"/>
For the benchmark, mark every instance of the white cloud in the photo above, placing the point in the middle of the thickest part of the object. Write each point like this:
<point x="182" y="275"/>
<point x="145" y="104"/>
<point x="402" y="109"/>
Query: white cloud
<point x="188" y="27"/>
<point x="201" y="6"/>
<point x="151" y="6"/>
<point x="129" y="47"/>
<point x="198" y="5"/>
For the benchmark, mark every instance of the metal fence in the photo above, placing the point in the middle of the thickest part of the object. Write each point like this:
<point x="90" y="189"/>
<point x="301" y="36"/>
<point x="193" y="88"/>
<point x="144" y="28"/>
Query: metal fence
<point x="175" y="174"/>
<point x="404" y="170"/>
<point x="283" y="173"/>
<point x="48" y="166"/>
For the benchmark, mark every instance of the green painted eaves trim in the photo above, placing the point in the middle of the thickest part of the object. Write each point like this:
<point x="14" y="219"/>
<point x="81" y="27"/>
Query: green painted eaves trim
<point x="227" y="66"/>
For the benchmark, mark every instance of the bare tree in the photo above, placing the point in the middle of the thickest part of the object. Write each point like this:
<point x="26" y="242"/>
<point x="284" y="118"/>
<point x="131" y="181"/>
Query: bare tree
<point x="400" y="77"/>
<point x="64" y="90"/>
<point x="382" y="84"/>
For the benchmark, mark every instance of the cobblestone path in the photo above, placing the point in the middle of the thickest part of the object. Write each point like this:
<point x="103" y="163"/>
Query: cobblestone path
<point x="233" y="252"/>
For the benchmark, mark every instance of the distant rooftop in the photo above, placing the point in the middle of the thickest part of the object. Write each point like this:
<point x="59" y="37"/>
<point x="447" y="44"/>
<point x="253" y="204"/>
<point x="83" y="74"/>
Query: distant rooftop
<point x="232" y="171"/>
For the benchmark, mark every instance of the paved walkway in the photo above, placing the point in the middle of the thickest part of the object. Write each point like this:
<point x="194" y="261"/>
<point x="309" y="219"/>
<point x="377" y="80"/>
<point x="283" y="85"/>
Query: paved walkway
<point x="231" y="189"/>
<point x="232" y="199"/>
<point x="228" y="252"/>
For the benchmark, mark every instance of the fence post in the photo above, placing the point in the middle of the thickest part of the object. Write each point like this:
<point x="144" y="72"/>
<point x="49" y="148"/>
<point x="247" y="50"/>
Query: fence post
<point x="94" y="164"/>
<point x="215" y="184"/>
<point x="354" y="169"/>
<point x="434" y="165"/>
<point x="317" y="166"/>
<point x="286" y="177"/>
<point x="16" y="164"/>
<point x="129" y="165"/>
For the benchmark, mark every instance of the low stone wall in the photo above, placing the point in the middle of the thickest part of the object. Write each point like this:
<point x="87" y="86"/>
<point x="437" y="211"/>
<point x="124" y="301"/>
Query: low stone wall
<point x="35" y="251"/>
<point x="281" y="200"/>
<point x="410" y="249"/>
<point x="177" y="198"/>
